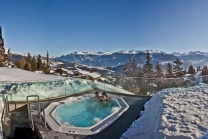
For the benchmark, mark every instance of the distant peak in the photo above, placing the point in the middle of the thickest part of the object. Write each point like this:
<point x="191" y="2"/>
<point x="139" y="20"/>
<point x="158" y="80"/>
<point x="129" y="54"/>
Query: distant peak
<point x="136" y="52"/>
<point x="176" y="53"/>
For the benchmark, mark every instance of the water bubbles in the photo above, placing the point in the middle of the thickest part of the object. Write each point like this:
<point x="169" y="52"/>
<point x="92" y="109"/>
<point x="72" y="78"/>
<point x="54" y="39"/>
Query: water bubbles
<point x="97" y="119"/>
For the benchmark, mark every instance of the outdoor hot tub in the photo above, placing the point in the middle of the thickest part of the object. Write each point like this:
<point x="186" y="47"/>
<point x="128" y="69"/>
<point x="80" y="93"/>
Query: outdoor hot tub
<point x="83" y="115"/>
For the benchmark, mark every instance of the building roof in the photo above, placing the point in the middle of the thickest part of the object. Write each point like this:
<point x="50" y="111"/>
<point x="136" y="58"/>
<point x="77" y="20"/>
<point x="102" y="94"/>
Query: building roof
<point x="102" y="78"/>
<point x="187" y="75"/>
<point x="94" y="75"/>
<point x="83" y="72"/>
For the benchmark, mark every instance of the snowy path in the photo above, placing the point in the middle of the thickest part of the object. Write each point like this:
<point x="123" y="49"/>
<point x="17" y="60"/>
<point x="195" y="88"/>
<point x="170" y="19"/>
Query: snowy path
<point x="173" y="113"/>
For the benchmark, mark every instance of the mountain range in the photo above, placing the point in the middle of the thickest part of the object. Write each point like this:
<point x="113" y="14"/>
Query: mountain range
<point x="114" y="59"/>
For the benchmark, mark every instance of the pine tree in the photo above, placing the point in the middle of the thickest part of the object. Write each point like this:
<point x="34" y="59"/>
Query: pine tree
<point x="159" y="72"/>
<point x="22" y="63"/>
<point x="47" y="59"/>
<point x="131" y="69"/>
<point x="17" y="63"/>
<point x="47" y="67"/>
<point x="39" y="63"/>
<point x="33" y="64"/>
<point x="140" y="72"/>
<point x="28" y="58"/>
<point x="205" y="70"/>
<point x="28" y="66"/>
<point x="191" y="70"/>
<point x="59" y="70"/>
<point x="169" y="72"/>
<point x="177" y="69"/>
<point x="134" y="68"/>
<point x="148" y="68"/>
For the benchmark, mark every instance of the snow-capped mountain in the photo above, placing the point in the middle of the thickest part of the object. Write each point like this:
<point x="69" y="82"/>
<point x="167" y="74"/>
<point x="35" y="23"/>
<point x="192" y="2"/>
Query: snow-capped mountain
<point x="196" y="53"/>
<point x="118" y="59"/>
<point x="112" y="59"/>
<point x="115" y="60"/>
<point x="24" y="54"/>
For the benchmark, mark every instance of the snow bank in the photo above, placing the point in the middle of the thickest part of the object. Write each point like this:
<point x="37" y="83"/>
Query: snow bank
<point x="173" y="113"/>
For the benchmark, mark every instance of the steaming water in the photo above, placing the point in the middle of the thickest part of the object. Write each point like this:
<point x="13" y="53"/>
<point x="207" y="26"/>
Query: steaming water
<point x="85" y="112"/>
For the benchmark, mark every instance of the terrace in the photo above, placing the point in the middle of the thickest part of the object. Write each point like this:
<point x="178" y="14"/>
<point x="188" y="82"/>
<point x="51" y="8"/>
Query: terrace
<point x="23" y="112"/>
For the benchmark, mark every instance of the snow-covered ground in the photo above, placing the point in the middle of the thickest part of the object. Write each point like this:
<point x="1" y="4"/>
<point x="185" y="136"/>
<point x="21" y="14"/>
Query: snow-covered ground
<point x="179" y="113"/>
<point x="15" y="74"/>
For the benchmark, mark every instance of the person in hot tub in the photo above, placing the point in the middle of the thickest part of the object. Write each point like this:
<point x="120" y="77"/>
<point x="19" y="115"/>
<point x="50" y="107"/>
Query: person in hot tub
<point x="97" y="96"/>
<point x="94" y="102"/>
<point x="105" y="99"/>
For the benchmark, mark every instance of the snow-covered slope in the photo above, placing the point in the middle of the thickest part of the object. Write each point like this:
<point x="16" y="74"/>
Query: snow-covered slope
<point x="173" y="113"/>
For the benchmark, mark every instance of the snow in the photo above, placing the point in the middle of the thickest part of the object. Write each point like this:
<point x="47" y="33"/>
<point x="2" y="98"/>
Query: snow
<point x="83" y="72"/>
<point x="110" y="88"/>
<point x="187" y="75"/>
<point x="165" y="62"/>
<point x="24" y="54"/>
<point x="6" y="50"/>
<point x="191" y="53"/>
<point x="157" y="51"/>
<point x="96" y="67"/>
<point x="173" y="113"/>
<point x="14" y="74"/>
<point x="198" y="76"/>
<point x="109" y="53"/>
<point x="103" y="53"/>
<point x="20" y="83"/>
<point x="176" y="53"/>
<point x="18" y="91"/>
<point x="92" y="53"/>
<point x="128" y="52"/>
<point x="94" y="75"/>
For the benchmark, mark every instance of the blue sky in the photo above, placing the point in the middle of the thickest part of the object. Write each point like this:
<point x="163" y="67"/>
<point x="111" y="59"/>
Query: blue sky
<point x="65" y="26"/>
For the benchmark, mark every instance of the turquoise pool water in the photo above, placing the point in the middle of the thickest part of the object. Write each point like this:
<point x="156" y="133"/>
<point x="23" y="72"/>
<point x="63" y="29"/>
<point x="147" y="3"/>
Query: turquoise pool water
<point x="85" y="112"/>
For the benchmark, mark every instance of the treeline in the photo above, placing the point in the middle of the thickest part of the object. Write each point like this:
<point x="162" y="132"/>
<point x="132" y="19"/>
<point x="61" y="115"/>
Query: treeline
<point x="131" y="69"/>
<point x="34" y="64"/>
